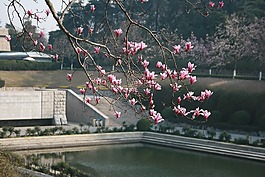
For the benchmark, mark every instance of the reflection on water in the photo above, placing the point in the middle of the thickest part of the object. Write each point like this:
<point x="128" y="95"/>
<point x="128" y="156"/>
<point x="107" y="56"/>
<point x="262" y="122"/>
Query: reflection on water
<point x="152" y="161"/>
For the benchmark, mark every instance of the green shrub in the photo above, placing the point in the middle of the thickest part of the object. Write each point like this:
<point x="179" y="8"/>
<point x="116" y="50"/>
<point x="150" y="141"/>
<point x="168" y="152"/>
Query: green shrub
<point x="224" y="136"/>
<point x="261" y="122"/>
<point x="9" y="163"/>
<point x="243" y="141"/>
<point x="241" y="117"/>
<point x="14" y="65"/>
<point x="189" y="132"/>
<point x="2" y="83"/>
<point x="143" y="125"/>
<point x="211" y="134"/>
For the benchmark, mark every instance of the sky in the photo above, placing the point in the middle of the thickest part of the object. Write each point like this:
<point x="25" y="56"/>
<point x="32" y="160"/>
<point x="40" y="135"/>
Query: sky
<point x="47" y="26"/>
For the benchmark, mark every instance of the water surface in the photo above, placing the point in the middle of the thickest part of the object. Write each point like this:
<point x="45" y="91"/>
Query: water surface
<point x="140" y="160"/>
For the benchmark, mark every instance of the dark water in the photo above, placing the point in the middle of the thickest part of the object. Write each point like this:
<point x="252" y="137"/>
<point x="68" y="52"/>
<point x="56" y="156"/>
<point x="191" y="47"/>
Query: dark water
<point x="152" y="161"/>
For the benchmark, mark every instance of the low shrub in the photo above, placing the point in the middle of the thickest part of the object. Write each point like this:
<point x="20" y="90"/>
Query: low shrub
<point x="2" y="83"/>
<point x="241" y="117"/>
<point x="224" y="136"/>
<point x="14" y="65"/>
<point x="261" y="122"/>
<point x="9" y="163"/>
<point x="243" y="141"/>
<point x="143" y="125"/>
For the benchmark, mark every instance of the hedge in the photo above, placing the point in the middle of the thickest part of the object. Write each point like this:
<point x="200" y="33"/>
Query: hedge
<point x="2" y="83"/>
<point x="15" y="65"/>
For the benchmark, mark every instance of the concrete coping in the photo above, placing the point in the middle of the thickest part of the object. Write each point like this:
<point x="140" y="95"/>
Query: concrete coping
<point x="89" y="105"/>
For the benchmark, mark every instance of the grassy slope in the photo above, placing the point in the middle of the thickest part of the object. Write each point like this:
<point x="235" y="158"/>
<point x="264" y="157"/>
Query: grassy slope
<point x="58" y="79"/>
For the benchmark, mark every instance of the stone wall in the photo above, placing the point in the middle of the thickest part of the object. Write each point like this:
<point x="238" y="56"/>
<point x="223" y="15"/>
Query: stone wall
<point x="33" y="105"/>
<point x="4" y="44"/>
<point x="59" y="113"/>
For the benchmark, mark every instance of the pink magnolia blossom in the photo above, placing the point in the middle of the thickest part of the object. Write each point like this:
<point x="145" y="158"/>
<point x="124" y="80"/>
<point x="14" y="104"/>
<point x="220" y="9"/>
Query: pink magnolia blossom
<point x="35" y="43"/>
<point x="82" y="91"/>
<point x="88" y="100"/>
<point x="175" y="87"/>
<point x="89" y="86"/>
<point x="97" y="81"/>
<point x="189" y="96"/>
<point x="78" y="50"/>
<point x="205" y="114"/>
<point x="90" y="31"/>
<point x="193" y="79"/>
<point x="157" y="118"/>
<point x="84" y="52"/>
<point x="42" y="47"/>
<point x="164" y="67"/>
<point x="191" y="67"/>
<point x="183" y="74"/>
<point x="47" y="11"/>
<point x="96" y="50"/>
<point x="117" y="114"/>
<point x="80" y="30"/>
<point x="8" y="37"/>
<point x="208" y="93"/>
<point x="196" y="113"/>
<point x="143" y="1"/>
<point x="201" y="97"/>
<point x="221" y="4"/>
<point x="126" y="92"/>
<point x="163" y="75"/>
<point x="132" y="101"/>
<point x="41" y="33"/>
<point x="142" y="45"/>
<point x="145" y="63"/>
<point x="159" y="64"/>
<point x="30" y="34"/>
<point x="69" y="77"/>
<point x="179" y="100"/>
<point x="50" y="46"/>
<point x="211" y="4"/>
<point x="117" y="82"/>
<point x="114" y="89"/>
<point x="37" y="16"/>
<point x="149" y="75"/>
<point x="176" y="49"/>
<point x="56" y="57"/>
<point x="120" y="88"/>
<point x="92" y="8"/>
<point x="118" y="32"/>
<point x="139" y="83"/>
<point x="111" y="78"/>
<point x="174" y="74"/>
<point x="180" y="110"/>
<point x="188" y="46"/>
<point x="97" y="100"/>
<point x="103" y="82"/>
<point x="157" y="86"/>
<point x="140" y="58"/>
<point x="147" y="91"/>
<point x="30" y="12"/>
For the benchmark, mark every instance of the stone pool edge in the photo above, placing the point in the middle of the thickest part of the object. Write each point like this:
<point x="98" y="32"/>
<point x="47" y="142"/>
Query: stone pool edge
<point x="173" y="141"/>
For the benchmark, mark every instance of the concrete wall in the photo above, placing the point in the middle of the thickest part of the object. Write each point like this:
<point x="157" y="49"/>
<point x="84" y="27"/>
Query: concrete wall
<point x="79" y="112"/>
<point x="4" y="44"/>
<point x="33" y="104"/>
<point x="178" y="142"/>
